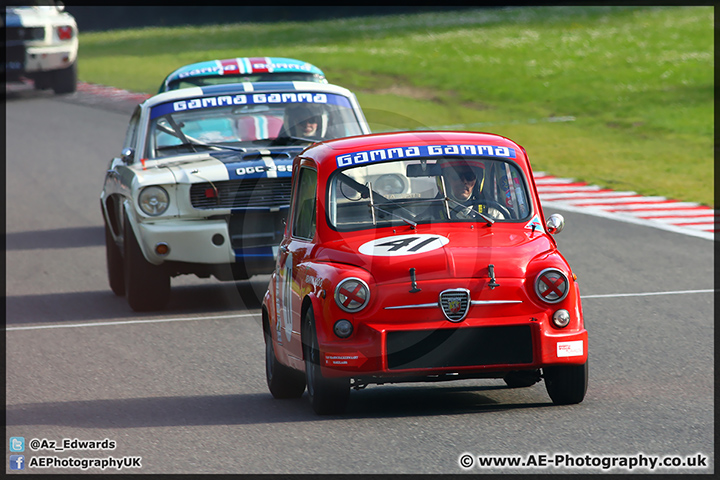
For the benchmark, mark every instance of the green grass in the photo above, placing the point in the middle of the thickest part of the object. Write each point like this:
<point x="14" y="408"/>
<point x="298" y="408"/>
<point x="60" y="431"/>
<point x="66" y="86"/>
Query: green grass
<point x="638" y="82"/>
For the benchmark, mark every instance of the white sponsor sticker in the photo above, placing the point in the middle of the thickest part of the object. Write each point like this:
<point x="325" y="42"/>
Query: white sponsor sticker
<point x="403" y="245"/>
<point x="570" y="349"/>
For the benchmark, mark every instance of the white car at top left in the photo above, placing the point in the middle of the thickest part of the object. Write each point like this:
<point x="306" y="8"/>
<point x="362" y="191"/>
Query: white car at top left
<point x="41" y="43"/>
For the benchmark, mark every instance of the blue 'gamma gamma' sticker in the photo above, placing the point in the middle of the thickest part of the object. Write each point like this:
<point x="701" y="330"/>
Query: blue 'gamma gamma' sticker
<point x="382" y="154"/>
<point x="250" y="99"/>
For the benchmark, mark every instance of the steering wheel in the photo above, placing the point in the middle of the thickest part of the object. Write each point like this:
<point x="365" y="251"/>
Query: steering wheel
<point x="497" y="206"/>
<point x="489" y="204"/>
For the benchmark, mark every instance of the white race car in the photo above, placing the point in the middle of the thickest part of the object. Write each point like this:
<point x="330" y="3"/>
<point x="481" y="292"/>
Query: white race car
<point x="41" y="43"/>
<point x="203" y="182"/>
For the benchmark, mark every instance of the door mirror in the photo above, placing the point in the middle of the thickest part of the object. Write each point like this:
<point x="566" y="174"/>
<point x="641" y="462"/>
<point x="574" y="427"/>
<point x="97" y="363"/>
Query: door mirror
<point x="555" y="223"/>
<point x="127" y="155"/>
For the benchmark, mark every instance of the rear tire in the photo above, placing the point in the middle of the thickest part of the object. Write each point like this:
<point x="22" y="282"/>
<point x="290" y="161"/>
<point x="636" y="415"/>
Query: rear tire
<point x="566" y="385"/>
<point x="147" y="286"/>
<point x="327" y="395"/>
<point x="65" y="80"/>
<point x="283" y="381"/>
<point x="115" y="264"/>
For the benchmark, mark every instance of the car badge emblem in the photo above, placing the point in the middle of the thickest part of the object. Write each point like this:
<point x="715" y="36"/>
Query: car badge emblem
<point x="455" y="303"/>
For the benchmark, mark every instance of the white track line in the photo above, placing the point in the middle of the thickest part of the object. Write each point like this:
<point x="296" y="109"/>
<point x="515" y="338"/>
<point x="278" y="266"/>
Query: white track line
<point x="130" y="322"/>
<point x="647" y="294"/>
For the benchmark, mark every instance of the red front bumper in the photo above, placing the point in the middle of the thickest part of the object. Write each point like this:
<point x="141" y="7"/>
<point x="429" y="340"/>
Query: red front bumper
<point x="384" y="351"/>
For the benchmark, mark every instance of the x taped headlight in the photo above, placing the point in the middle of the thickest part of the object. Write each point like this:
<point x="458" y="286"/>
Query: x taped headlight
<point x="352" y="295"/>
<point x="551" y="285"/>
<point x="154" y="200"/>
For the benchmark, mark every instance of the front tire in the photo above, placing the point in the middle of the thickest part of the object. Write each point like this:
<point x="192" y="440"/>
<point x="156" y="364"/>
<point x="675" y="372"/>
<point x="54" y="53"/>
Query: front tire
<point x="43" y="81"/>
<point x="115" y="264"/>
<point x="147" y="286"/>
<point x="283" y="382"/>
<point x="65" y="80"/>
<point x="566" y="385"/>
<point x="327" y="395"/>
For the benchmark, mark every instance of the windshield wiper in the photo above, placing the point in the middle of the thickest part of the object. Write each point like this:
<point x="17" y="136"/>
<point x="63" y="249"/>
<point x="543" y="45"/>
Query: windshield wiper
<point x="188" y="140"/>
<point x="286" y="139"/>
<point x="218" y="145"/>
<point x="374" y="207"/>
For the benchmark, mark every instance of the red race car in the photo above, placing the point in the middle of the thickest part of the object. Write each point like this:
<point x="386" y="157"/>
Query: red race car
<point x="420" y="256"/>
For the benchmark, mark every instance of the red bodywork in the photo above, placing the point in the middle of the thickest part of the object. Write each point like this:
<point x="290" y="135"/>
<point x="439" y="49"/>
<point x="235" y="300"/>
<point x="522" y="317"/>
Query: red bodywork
<point x="402" y="335"/>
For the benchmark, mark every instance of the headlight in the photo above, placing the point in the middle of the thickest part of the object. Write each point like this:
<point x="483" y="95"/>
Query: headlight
<point x="154" y="201"/>
<point x="343" y="328"/>
<point x="561" y="318"/>
<point x="551" y="285"/>
<point x="352" y="294"/>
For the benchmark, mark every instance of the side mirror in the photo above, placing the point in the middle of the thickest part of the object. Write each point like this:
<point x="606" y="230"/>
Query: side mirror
<point x="127" y="155"/>
<point x="555" y="223"/>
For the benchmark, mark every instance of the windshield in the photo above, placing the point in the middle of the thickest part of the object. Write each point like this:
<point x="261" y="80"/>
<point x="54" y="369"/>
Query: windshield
<point x="419" y="191"/>
<point x="248" y="121"/>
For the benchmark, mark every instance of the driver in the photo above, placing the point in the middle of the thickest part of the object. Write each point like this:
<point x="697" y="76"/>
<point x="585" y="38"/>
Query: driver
<point x="303" y="121"/>
<point x="464" y="183"/>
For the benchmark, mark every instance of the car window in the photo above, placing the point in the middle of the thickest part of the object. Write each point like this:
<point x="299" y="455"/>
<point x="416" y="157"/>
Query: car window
<point x="305" y="205"/>
<point x="252" y="120"/>
<point x="425" y="191"/>
<point x="201" y="81"/>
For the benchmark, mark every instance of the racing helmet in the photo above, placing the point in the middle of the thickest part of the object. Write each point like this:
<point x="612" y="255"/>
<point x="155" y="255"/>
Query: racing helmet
<point x="463" y="169"/>
<point x="296" y="116"/>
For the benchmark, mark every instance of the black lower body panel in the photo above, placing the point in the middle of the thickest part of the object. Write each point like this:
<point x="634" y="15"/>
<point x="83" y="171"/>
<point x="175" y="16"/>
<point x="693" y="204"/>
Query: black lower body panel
<point x="459" y="347"/>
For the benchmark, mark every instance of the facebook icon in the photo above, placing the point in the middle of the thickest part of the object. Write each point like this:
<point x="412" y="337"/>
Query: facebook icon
<point x="17" y="462"/>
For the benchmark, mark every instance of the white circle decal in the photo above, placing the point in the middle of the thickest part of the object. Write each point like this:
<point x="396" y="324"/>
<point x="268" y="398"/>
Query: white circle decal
<point x="403" y="245"/>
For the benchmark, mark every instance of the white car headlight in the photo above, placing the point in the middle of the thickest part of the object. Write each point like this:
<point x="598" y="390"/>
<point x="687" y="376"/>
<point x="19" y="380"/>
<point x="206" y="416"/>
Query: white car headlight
<point x="352" y="294"/>
<point x="154" y="200"/>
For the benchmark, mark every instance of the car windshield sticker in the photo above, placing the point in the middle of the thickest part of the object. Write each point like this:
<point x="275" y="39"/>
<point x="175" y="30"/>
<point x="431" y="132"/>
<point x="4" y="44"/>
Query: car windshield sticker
<point x="384" y="154"/>
<point x="535" y="224"/>
<point x="253" y="99"/>
<point x="403" y="245"/>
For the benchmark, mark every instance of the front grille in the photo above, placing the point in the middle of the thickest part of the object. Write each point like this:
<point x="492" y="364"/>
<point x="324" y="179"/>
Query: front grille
<point x="247" y="193"/>
<point x="459" y="347"/>
<point x="455" y="304"/>
<point x="23" y="34"/>
<point x="256" y="228"/>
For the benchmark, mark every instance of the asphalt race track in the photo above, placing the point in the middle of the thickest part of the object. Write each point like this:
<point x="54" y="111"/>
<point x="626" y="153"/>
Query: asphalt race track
<point x="184" y="389"/>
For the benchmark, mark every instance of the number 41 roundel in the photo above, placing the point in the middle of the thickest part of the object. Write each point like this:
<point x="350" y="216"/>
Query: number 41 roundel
<point x="403" y="245"/>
